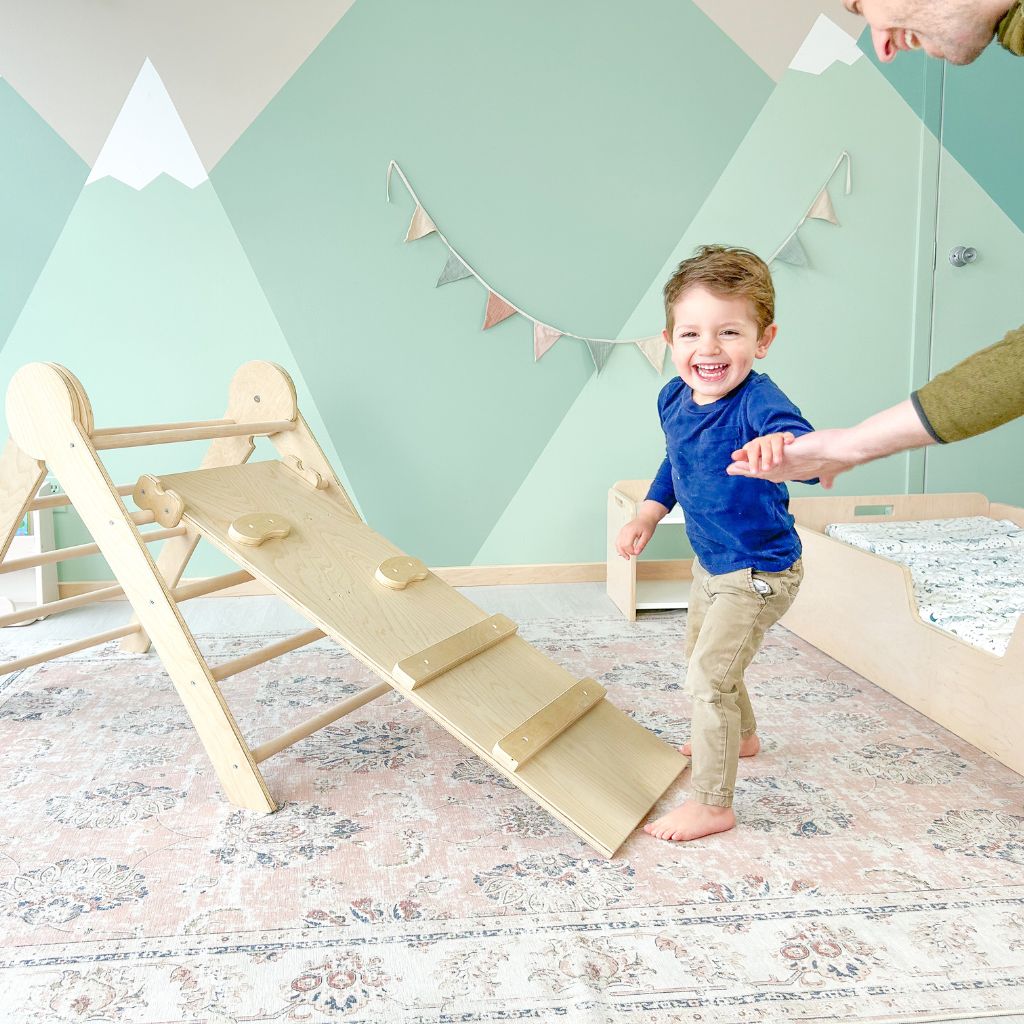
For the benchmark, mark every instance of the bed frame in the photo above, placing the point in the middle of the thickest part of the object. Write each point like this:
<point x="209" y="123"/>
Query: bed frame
<point x="860" y="609"/>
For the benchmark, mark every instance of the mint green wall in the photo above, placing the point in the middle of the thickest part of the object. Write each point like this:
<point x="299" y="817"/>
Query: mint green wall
<point x="149" y="299"/>
<point x="573" y="153"/>
<point x="41" y="177"/>
<point x="846" y="320"/>
<point x="560" y="147"/>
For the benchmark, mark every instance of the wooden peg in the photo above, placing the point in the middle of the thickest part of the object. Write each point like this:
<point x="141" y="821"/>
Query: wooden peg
<point x="310" y="476"/>
<point x="257" y="527"/>
<point x="397" y="573"/>
<point x="167" y="506"/>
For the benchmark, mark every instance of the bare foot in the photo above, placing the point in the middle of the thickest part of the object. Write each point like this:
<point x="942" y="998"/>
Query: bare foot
<point x="691" y="820"/>
<point x="748" y="747"/>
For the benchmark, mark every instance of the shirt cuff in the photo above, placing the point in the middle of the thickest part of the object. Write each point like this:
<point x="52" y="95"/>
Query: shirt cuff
<point x="923" y="417"/>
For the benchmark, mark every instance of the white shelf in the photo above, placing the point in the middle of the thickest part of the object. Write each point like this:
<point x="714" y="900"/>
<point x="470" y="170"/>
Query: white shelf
<point x="660" y="594"/>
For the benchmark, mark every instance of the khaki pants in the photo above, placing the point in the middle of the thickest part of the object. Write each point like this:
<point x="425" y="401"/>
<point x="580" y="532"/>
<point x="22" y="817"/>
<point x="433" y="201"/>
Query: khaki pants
<point x="725" y="624"/>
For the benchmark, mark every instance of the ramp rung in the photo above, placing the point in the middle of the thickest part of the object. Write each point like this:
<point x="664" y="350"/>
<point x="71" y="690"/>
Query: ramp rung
<point x="539" y="730"/>
<point x="439" y="658"/>
<point x="318" y="722"/>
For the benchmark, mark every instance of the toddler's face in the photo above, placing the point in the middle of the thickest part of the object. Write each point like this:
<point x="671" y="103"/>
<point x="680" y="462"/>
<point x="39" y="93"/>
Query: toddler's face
<point x="714" y="341"/>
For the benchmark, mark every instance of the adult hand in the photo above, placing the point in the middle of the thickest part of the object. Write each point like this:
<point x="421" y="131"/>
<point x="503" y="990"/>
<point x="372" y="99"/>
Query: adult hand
<point x="822" y="453"/>
<point x="827" y="453"/>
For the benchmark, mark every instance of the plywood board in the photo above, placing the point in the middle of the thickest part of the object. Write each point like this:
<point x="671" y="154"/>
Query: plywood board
<point x="601" y="776"/>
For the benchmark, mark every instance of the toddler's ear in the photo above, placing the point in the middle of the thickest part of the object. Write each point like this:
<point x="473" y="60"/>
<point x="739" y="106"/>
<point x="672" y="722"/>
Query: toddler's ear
<point x="666" y="336"/>
<point x="766" y="340"/>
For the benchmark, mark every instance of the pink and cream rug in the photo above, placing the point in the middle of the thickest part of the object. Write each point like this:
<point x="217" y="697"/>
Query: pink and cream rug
<point x="877" y="873"/>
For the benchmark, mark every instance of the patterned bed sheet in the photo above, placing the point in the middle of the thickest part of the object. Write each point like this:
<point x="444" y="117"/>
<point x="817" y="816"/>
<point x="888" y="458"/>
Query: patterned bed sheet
<point x="968" y="573"/>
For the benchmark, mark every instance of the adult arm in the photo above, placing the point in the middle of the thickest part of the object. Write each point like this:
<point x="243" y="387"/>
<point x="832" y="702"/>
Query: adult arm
<point x="978" y="394"/>
<point x="981" y="393"/>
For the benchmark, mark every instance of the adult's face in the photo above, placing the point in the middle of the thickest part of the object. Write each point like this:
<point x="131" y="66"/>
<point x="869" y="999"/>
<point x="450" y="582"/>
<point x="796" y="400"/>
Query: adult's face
<point x="957" y="30"/>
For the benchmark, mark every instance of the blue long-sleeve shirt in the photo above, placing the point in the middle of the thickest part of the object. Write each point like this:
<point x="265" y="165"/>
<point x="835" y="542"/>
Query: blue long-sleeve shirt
<point x="733" y="522"/>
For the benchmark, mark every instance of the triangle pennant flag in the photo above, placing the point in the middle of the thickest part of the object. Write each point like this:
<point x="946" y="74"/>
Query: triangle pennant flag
<point x="792" y="252"/>
<point x="454" y="270"/>
<point x="543" y="338"/>
<point x="822" y="208"/>
<point x="654" y="351"/>
<point x="420" y="225"/>
<point x="497" y="310"/>
<point x="599" y="352"/>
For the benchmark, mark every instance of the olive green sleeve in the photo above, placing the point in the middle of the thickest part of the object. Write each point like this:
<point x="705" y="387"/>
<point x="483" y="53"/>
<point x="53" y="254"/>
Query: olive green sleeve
<point x="981" y="393"/>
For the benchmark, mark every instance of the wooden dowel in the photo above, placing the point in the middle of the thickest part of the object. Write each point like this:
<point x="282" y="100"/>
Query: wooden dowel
<point x="307" y="728"/>
<point x="64" y="605"/>
<point x="122" y="439"/>
<point x="264" y="654"/>
<point x="147" y="428"/>
<point x="80" y="551"/>
<point x="179" y="594"/>
<point x="60" y="500"/>
<point x="59" y="652"/>
<point x="202" y="587"/>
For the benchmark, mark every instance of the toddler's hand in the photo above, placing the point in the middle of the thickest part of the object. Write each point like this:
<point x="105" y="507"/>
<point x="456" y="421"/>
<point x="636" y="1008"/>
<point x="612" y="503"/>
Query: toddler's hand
<point x="763" y="452"/>
<point x="633" y="537"/>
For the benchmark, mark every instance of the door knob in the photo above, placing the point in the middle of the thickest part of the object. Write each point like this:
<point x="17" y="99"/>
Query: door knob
<point x="961" y="255"/>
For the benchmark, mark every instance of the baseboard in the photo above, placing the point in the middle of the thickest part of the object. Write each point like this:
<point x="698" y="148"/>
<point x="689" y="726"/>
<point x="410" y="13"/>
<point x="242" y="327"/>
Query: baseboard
<point x="461" y="576"/>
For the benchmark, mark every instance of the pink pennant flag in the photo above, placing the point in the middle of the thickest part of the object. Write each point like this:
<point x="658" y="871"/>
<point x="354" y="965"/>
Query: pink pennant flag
<point x="420" y="225"/>
<point x="497" y="310"/>
<point x="654" y="350"/>
<point x="543" y="338"/>
<point x="822" y="209"/>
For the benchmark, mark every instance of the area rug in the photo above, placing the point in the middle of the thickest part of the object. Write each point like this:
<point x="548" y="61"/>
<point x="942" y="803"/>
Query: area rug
<point x="877" y="872"/>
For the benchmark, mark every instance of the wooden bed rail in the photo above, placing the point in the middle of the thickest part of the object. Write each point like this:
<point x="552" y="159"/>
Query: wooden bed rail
<point x="816" y="513"/>
<point x="112" y="437"/>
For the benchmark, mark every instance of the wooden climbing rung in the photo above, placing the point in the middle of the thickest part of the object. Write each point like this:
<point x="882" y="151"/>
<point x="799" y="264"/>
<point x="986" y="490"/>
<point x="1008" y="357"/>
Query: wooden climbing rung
<point x="112" y="437"/>
<point x="530" y="738"/>
<point x="439" y="658"/>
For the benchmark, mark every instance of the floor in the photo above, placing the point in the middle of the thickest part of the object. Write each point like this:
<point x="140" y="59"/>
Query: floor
<point x="226" y="616"/>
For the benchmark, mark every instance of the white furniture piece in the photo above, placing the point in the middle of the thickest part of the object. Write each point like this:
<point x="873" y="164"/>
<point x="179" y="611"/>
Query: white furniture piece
<point x="642" y="586"/>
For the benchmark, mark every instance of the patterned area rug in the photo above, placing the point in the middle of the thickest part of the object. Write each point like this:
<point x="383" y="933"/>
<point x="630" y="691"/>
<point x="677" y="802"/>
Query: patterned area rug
<point x="877" y="872"/>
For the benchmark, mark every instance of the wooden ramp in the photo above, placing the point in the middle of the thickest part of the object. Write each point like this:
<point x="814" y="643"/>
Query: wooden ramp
<point x="290" y="524"/>
<point x="600" y="776"/>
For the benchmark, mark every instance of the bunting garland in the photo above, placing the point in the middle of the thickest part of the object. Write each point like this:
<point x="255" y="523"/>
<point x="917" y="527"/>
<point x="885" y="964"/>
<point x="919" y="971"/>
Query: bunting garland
<point x="791" y="250"/>
<point x="500" y="308"/>
<point x="653" y="348"/>
<point x="543" y="338"/>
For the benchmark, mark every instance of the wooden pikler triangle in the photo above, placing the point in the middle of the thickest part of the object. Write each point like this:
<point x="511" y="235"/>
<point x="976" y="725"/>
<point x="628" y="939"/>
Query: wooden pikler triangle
<point x="289" y="524"/>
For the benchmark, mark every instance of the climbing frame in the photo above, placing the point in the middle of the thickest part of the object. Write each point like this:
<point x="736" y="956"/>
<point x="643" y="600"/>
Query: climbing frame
<point x="289" y="524"/>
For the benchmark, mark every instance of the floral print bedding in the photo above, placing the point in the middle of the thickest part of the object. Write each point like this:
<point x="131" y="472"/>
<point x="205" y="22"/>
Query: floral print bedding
<point x="968" y="572"/>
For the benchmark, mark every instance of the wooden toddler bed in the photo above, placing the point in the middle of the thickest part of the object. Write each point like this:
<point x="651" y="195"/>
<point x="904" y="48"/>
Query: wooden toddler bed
<point x="860" y="608"/>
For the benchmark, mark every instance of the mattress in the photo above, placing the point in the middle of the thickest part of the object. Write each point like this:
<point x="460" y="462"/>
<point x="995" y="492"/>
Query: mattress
<point x="968" y="573"/>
